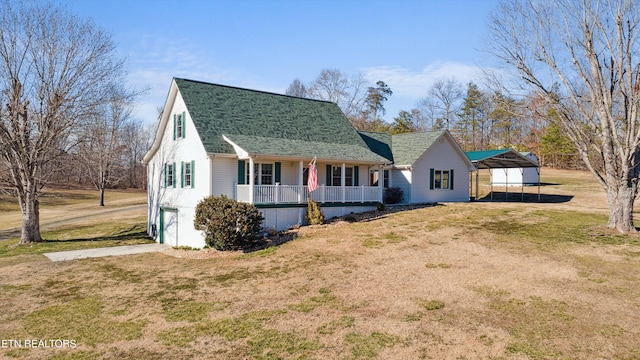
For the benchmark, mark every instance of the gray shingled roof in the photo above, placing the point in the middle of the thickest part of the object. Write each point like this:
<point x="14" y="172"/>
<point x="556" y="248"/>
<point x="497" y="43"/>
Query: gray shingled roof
<point x="402" y="149"/>
<point x="407" y="148"/>
<point x="263" y="123"/>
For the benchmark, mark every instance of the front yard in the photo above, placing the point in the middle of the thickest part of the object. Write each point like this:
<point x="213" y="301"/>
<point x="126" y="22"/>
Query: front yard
<point x="457" y="281"/>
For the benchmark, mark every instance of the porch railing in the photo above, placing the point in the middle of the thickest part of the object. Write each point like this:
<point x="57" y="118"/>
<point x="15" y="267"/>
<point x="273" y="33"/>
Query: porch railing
<point x="283" y="194"/>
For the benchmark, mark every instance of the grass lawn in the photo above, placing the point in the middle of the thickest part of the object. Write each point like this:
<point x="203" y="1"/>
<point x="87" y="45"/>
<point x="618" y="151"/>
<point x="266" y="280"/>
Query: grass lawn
<point x="481" y="280"/>
<point x="61" y="204"/>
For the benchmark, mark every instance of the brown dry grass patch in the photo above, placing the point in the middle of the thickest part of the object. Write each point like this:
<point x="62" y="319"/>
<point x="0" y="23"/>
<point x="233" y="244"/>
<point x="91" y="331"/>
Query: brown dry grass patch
<point x="456" y="281"/>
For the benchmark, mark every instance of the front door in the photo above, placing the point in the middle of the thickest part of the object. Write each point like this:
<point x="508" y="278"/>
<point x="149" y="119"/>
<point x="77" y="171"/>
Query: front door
<point x="169" y="227"/>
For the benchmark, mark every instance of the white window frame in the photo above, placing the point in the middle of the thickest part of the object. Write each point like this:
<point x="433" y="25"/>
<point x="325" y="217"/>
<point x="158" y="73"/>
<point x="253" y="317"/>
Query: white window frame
<point x="441" y="180"/>
<point x="171" y="175"/>
<point x="258" y="173"/>
<point x="179" y="126"/>
<point x="187" y="174"/>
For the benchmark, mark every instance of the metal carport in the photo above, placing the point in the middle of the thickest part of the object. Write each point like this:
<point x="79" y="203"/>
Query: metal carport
<point x="497" y="159"/>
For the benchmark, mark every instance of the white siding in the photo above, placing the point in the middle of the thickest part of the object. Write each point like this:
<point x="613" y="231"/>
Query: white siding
<point x="183" y="200"/>
<point x="442" y="155"/>
<point x="286" y="218"/>
<point x="224" y="176"/>
<point x="402" y="179"/>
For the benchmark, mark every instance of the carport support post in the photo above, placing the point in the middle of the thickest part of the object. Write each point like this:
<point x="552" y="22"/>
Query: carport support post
<point x="477" y="187"/>
<point x="522" y="188"/>
<point x="491" y="182"/>
<point x="506" y="184"/>
<point x="538" y="171"/>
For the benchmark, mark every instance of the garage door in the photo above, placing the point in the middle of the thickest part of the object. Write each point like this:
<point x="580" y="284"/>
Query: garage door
<point x="169" y="227"/>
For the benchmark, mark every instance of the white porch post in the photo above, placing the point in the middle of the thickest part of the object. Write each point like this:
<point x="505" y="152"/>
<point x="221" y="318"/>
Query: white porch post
<point x="251" y="184"/>
<point x="381" y="182"/>
<point x="342" y="179"/>
<point x="300" y="181"/>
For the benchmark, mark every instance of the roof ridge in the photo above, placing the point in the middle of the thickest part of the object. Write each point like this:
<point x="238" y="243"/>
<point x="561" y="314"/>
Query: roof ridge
<point x="252" y="90"/>
<point x="420" y="132"/>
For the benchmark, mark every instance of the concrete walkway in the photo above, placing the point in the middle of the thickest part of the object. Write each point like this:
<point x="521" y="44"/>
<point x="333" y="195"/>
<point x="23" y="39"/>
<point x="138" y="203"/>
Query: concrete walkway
<point x="101" y="252"/>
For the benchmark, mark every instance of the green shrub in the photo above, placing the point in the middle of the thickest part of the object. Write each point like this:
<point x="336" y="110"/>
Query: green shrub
<point x="380" y="206"/>
<point x="228" y="224"/>
<point x="392" y="195"/>
<point x="314" y="213"/>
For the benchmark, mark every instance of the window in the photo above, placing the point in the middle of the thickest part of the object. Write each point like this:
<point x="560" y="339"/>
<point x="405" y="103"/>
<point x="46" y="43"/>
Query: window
<point x="170" y="175"/>
<point x="375" y="174"/>
<point x="441" y="179"/>
<point x="348" y="176"/>
<point x="188" y="169"/>
<point x="266" y="174"/>
<point x="334" y="176"/>
<point x="263" y="174"/>
<point x="179" y="125"/>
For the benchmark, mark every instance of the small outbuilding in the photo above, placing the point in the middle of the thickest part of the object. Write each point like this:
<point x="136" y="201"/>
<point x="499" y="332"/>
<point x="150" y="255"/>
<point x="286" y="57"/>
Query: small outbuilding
<point x="508" y="166"/>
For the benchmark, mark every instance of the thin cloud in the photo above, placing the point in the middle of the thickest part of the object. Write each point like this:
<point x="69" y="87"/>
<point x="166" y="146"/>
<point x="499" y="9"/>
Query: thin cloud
<point x="415" y="84"/>
<point x="155" y="61"/>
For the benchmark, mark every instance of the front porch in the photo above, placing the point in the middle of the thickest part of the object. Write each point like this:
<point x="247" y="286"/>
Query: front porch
<point x="298" y="194"/>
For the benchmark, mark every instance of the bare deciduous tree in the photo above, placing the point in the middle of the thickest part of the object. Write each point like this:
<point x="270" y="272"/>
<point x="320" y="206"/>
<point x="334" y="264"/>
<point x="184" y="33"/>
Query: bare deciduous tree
<point x="448" y="94"/>
<point x="54" y="69"/>
<point x="348" y="92"/>
<point x="297" y="88"/>
<point x="105" y="141"/>
<point x="583" y="58"/>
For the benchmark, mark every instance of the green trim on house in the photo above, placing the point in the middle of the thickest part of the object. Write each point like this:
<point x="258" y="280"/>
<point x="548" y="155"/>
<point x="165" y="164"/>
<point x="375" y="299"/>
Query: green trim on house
<point x="356" y="175"/>
<point x="193" y="174"/>
<point x="161" y="230"/>
<point x="277" y="171"/>
<point x="241" y="170"/>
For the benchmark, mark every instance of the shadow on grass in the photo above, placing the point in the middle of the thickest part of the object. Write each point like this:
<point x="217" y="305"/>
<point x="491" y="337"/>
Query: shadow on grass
<point x="137" y="235"/>
<point x="501" y="196"/>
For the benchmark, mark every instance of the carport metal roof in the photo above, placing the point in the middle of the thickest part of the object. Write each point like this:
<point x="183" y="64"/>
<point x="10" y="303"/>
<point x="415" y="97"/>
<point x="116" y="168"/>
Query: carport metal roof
<point x="503" y="158"/>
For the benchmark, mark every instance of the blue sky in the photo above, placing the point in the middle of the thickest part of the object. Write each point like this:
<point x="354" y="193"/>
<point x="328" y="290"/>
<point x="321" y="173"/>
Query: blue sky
<point x="266" y="44"/>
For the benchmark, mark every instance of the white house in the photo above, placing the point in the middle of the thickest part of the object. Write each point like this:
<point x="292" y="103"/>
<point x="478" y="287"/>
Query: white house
<point x="427" y="166"/>
<point x="255" y="147"/>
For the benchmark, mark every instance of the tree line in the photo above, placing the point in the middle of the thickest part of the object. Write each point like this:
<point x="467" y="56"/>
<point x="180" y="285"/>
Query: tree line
<point x="480" y="119"/>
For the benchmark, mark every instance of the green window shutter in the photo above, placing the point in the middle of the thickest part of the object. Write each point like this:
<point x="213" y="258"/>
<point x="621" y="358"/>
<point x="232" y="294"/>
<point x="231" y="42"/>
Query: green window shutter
<point x="328" y="177"/>
<point x="451" y="179"/>
<point x="241" y="169"/>
<point x="277" y="171"/>
<point x="431" y="178"/>
<point x="165" y="175"/>
<point x="193" y="174"/>
<point x="174" y="174"/>
<point x="356" y="176"/>
<point x="181" y="174"/>
<point x="174" y="126"/>
<point x="184" y="123"/>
